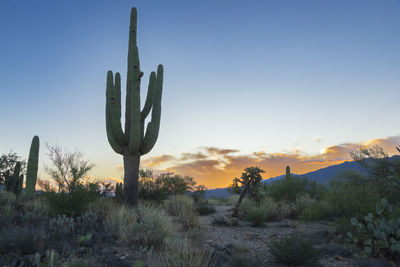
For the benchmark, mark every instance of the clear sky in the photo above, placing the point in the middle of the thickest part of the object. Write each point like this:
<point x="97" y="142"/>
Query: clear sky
<point x="245" y="82"/>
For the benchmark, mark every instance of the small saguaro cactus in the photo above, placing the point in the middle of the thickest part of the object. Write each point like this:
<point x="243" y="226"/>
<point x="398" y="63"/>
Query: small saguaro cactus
<point x="14" y="181"/>
<point x="134" y="141"/>
<point x="287" y="171"/>
<point x="32" y="169"/>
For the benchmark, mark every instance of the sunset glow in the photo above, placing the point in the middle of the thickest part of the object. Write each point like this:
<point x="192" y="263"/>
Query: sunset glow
<point x="267" y="83"/>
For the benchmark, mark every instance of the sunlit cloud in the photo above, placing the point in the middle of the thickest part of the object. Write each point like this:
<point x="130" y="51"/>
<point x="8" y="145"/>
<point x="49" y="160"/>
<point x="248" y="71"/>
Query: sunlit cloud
<point x="155" y="162"/>
<point x="216" y="167"/>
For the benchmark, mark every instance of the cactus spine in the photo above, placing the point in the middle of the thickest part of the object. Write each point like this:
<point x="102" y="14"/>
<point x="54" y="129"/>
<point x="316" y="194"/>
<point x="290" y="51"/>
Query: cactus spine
<point x="134" y="141"/>
<point x="32" y="168"/>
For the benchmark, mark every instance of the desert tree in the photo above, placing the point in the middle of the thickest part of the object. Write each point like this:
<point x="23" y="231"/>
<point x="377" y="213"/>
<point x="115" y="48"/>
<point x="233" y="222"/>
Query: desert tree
<point x="8" y="161"/>
<point x="67" y="168"/>
<point x="249" y="183"/>
<point x="383" y="171"/>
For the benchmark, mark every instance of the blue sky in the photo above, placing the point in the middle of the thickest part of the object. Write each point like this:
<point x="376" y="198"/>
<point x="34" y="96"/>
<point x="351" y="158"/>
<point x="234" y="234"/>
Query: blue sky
<point x="273" y="76"/>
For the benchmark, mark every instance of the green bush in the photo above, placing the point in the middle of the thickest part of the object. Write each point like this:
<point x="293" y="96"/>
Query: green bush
<point x="316" y="211"/>
<point x="292" y="187"/>
<point x="273" y="210"/>
<point x="378" y="233"/>
<point x="204" y="209"/>
<point x="350" y="195"/>
<point x="72" y="204"/>
<point x="302" y="203"/>
<point x="256" y="216"/>
<point x="166" y="184"/>
<point x="294" y="250"/>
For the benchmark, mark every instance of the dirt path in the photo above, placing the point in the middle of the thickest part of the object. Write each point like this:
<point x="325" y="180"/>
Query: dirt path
<point x="251" y="242"/>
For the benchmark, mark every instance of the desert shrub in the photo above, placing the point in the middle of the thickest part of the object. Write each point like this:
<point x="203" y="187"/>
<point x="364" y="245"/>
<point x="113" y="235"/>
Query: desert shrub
<point x="35" y="212"/>
<point x="320" y="210"/>
<point x="220" y="220"/>
<point x="294" y="250"/>
<point x="198" y="193"/>
<point x="303" y="202"/>
<point x="88" y="220"/>
<point x="182" y="253"/>
<point x="274" y="211"/>
<point x="102" y="206"/>
<point x="146" y="225"/>
<point x="256" y="216"/>
<point x="204" y="209"/>
<point x="150" y="187"/>
<point x="71" y="204"/>
<point x="197" y="234"/>
<point x="349" y="195"/>
<point x="292" y="187"/>
<point x="166" y="184"/>
<point x="378" y="233"/>
<point x="245" y="206"/>
<point x="61" y="226"/>
<point x="182" y="206"/>
<point x="232" y="200"/>
<point x="153" y="226"/>
<point x="383" y="171"/>
<point x="22" y="239"/>
<point x="213" y="202"/>
<point x="120" y="221"/>
<point x="6" y="198"/>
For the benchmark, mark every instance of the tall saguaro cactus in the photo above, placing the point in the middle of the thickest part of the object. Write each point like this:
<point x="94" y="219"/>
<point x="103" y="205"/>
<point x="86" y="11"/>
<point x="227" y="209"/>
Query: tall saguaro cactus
<point x="134" y="141"/>
<point x="32" y="168"/>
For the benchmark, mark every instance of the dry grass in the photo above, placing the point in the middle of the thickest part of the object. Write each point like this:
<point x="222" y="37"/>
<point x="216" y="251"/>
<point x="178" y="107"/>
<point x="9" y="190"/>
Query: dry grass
<point x="146" y="225"/>
<point x="153" y="227"/>
<point x="183" y="208"/>
<point x="120" y="221"/>
<point x="182" y="253"/>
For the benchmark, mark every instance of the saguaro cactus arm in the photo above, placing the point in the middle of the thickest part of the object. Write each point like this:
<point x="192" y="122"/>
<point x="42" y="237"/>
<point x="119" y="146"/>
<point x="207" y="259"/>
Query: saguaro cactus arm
<point x="115" y="134"/>
<point x="153" y="126"/>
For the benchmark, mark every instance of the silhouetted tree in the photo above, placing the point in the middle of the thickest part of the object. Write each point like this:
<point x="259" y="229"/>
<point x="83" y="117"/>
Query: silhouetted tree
<point x="250" y="183"/>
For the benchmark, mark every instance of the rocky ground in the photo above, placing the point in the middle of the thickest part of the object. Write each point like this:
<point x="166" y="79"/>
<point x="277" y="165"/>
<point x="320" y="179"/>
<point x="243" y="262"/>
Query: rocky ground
<point x="251" y="242"/>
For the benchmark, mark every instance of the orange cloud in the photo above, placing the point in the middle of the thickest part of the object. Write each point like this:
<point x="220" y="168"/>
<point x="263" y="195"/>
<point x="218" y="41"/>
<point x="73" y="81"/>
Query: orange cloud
<point x="157" y="161"/>
<point x="216" y="167"/>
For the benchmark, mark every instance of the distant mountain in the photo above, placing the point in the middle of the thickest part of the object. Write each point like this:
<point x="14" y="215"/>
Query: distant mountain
<point x="322" y="176"/>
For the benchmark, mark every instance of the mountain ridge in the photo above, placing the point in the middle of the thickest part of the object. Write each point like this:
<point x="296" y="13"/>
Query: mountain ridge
<point x="322" y="176"/>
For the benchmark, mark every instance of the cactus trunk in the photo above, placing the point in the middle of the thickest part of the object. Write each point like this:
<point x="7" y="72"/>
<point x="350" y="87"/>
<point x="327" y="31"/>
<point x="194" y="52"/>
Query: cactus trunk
<point x="135" y="141"/>
<point x="131" y="177"/>
<point x="32" y="169"/>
